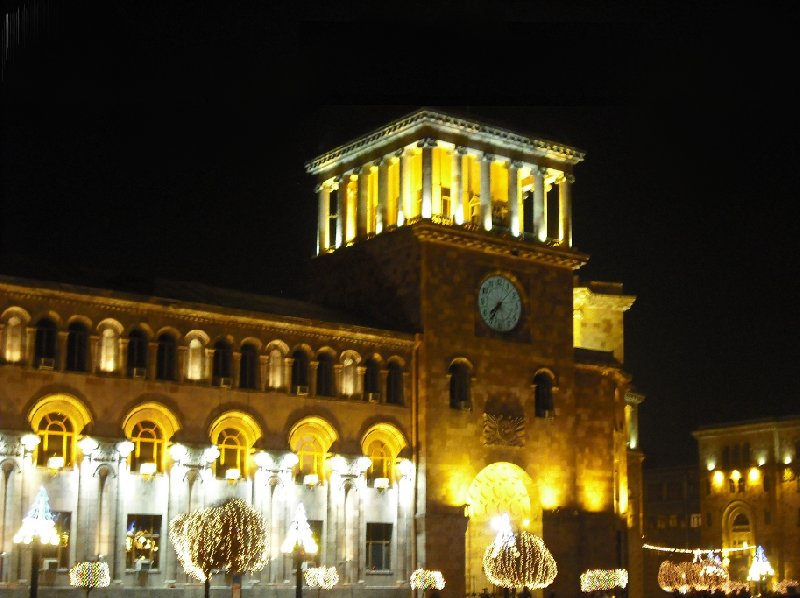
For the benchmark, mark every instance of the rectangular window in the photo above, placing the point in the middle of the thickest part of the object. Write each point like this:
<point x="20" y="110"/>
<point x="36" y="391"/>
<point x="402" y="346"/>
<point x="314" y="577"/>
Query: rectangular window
<point x="379" y="538"/>
<point x="741" y="485"/>
<point x="143" y="541"/>
<point x="662" y="522"/>
<point x="673" y="520"/>
<point x="695" y="520"/>
<point x="767" y="518"/>
<point x="767" y="483"/>
<point x="60" y="552"/>
<point x="731" y="485"/>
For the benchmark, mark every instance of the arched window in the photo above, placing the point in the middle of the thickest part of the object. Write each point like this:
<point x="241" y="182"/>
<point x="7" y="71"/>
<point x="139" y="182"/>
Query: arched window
<point x="44" y="352"/>
<point x="165" y="357"/>
<point x="248" y="366"/>
<point x="108" y="350"/>
<point x="13" y="340"/>
<point x="394" y="383"/>
<point x="310" y="439"/>
<point x="310" y="458"/>
<point x="543" y="395"/>
<point x="194" y="362"/>
<point x="459" y="385"/>
<point x="349" y="382"/>
<point x="276" y="368"/>
<point x="77" y="347"/>
<point x="382" y="443"/>
<point x="56" y="439"/>
<point x="372" y="379"/>
<point x="232" y="453"/>
<point x="221" y="373"/>
<point x="300" y="372"/>
<point x="137" y="354"/>
<point x="148" y="443"/>
<point x="382" y="461"/>
<point x="325" y="375"/>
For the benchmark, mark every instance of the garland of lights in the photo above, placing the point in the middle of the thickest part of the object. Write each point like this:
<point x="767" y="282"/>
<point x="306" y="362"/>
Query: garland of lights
<point x="90" y="575"/>
<point x="700" y="575"/>
<point x="321" y="577"/>
<point x="593" y="580"/>
<point x="427" y="579"/>
<point x="516" y="560"/>
<point x="783" y="586"/>
<point x="230" y="535"/>
<point x="695" y="551"/>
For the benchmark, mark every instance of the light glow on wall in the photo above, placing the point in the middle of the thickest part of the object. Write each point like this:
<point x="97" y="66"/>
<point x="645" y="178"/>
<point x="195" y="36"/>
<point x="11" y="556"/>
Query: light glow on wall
<point x="736" y="475"/>
<point x="718" y="478"/>
<point x="754" y="474"/>
<point x="710" y="465"/>
<point x="548" y="496"/>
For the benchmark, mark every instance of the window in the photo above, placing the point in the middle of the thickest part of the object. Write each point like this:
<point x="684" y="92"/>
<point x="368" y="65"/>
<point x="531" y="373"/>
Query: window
<point x="276" y="368"/>
<point x="137" y="354"/>
<point x="325" y="375"/>
<point x="735" y="455"/>
<point x="77" y="346"/>
<point x="767" y="517"/>
<point x="13" y="340"/>
<point x="194" y="362"/>
<point x="248" y="367"/>
<point x="57" y="439"/>
<point x="662" y="522"/>
<point x="108" y="350"/>
<point x="543" y="395"/>
<point x="310" y="458"/>
<point x="349" y="382"/>
<point x="726" y="457"/>
<point x="673" y="520"/>
<point x="165" y="358"/>
<point x="695" y="520"/>
<point x="143" y="540"/>
<point x="746" y="454"/>
<point x="731" y="485"/>
<point x="372" y="378"/>
<point x="394" y="384"/>
<point x="459" y="385"/>
<point x="148" y="443"/>
<point x="382" y="461"/>
<point x="232" y="453"/>
<point x="44" y="351"/>
<point x="740" y="485"/>
<point x="299" y="371"/>
<point x="379" y="539"/>
<point x="767" y="483"/>
<point x="221" y="371"/>
<point x="60" y="552"/>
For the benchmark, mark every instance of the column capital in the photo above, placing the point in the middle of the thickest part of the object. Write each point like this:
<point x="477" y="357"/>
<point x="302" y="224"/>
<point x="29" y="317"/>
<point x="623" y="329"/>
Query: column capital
<point x="381" y="161"/>
<point x="460" y="149"/>
<point x="320" y="187"/>
<point x="399" y="153"/>
<point x="487" y="158"/>
<point x="427" y="142"/>
<point x="565" y="177"/>
<point x="538" y="169"/>
<point x="515" y="164"/>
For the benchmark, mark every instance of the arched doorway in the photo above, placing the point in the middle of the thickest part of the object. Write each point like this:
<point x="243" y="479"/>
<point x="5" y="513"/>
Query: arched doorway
<point x="738" y="532"/>
<point x="497" y="489"/>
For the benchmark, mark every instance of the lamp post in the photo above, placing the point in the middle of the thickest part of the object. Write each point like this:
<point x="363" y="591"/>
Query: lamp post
<point x="37" y="528"/>
<point x="299" y="542"/>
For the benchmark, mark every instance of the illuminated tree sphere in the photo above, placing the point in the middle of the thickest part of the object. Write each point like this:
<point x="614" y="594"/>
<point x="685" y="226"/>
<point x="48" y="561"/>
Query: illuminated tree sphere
<point x="89" y="575"/>
<point x="519" y="559"/>
<point x="230" y="536"/>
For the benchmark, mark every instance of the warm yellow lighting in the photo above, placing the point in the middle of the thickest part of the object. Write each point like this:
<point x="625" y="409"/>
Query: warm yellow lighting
<point x="762" y="460"/>
<point x="710" y="465"/>
<point x="526" y="522"/>
<point x="381" y="483"/>
<point x="88" y="445"/>
<point x="232" y="474"/>
<point x="548" y="497"/>
<point x="718" y="478"/>
<point x="363" y="464"/>
<point x="211" y="454"/>
<point x="263" y="460"/>
<point x="735" y="475"/>
<point x="787" y="460"/>
<point x="55" y="462"/>
<point x="339" y="464"/>
<point x="30" y="441"/>
<point x="124" y="448"/>
<point x="289" y="460"/>
<point x="405" y="467"/>
<point x="754" y="474"/>
<point x="147" y="469"/>
<point x="311" y="479"/>
<point x="178" y="452"/>
<point x="594" y="497"/>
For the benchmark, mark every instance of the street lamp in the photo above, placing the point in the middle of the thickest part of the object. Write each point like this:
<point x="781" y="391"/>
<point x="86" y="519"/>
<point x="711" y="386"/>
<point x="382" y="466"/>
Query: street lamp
<point x="38" y="528"/>
<point x="299" y="542"/>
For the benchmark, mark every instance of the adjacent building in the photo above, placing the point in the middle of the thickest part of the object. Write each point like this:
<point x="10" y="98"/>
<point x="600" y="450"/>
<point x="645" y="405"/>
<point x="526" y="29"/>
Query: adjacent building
<point x="448" y="367"/>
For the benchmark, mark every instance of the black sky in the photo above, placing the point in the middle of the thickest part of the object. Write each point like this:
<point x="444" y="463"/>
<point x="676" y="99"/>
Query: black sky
<point x="168" y="139"/>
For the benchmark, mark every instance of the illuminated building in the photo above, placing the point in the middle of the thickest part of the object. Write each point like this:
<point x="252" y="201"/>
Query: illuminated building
<point x="449" y="367"/>
<point x="750" y="491"/>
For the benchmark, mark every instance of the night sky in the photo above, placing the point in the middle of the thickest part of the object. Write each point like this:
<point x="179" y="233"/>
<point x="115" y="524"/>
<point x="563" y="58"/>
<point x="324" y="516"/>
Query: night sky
<point x="167" y="139"/>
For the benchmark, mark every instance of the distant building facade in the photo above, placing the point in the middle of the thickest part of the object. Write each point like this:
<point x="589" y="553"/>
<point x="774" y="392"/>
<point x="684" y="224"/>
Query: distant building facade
<point x="750" y="491"/>
<point x="448" y="368"/>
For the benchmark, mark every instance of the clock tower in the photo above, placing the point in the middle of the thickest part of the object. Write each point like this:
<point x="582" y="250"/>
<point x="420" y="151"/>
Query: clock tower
<point x="460" y="232"/>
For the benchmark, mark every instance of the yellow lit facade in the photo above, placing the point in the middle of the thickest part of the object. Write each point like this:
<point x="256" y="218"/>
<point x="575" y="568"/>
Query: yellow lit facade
<point x="409" y="437"/>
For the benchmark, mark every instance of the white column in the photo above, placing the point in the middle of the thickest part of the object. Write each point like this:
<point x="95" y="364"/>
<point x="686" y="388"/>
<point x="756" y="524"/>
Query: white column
<point x="539" y="209"/>
<point x="513" y="197"/>
<point x="486" y="191"/>
<point x="427" y="146"/>
<point x="382" y="220"/>
<point x="405" y="186"/>
<point x="341" y="208"/>
<point x="565" y="209"/>
<point x="456" y="194"/>
<point x="323" y="230"/>
<point x="362" y="212"/>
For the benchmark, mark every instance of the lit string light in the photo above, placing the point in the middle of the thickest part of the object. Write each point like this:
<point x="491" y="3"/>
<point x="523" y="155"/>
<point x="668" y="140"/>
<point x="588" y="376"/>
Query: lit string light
<point x="321" y="577"/>
<point x="593" y="580"/>
<point x="695" y="551"/>
<point x="427" y="579"/>
<point x="40" y="524"/>
<point x="701" y="575"/>
<point x="787" y="586"/>
<point x="514" y="560"/>
<point x="90" y="575"/>
<point x="230" y="536"/>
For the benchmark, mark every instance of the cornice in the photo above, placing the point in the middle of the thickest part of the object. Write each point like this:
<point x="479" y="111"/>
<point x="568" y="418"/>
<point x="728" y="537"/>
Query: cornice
<point x="473" y="130"/>
<point x="584" y="297"/>
<point x="499" y="245"/>
<point x="198" y="315"/>
<point x="749" y="427"/>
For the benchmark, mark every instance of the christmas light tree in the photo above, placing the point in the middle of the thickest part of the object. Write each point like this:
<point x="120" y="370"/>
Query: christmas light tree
<point x="89" y="575"/>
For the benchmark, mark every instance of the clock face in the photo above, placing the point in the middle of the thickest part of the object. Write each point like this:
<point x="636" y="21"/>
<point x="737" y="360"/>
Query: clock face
<point x="499" y="303"/>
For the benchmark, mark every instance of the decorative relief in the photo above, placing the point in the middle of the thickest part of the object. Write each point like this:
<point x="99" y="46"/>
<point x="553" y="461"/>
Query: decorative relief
<point x="503" y="429"/>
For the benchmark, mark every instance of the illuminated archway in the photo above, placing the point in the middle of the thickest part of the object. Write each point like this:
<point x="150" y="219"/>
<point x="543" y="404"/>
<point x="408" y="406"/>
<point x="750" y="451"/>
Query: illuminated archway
<point x="498" y="488"/>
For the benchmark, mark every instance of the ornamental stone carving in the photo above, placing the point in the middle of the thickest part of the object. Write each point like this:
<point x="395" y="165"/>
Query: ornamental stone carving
<point x="503" y="430"/>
